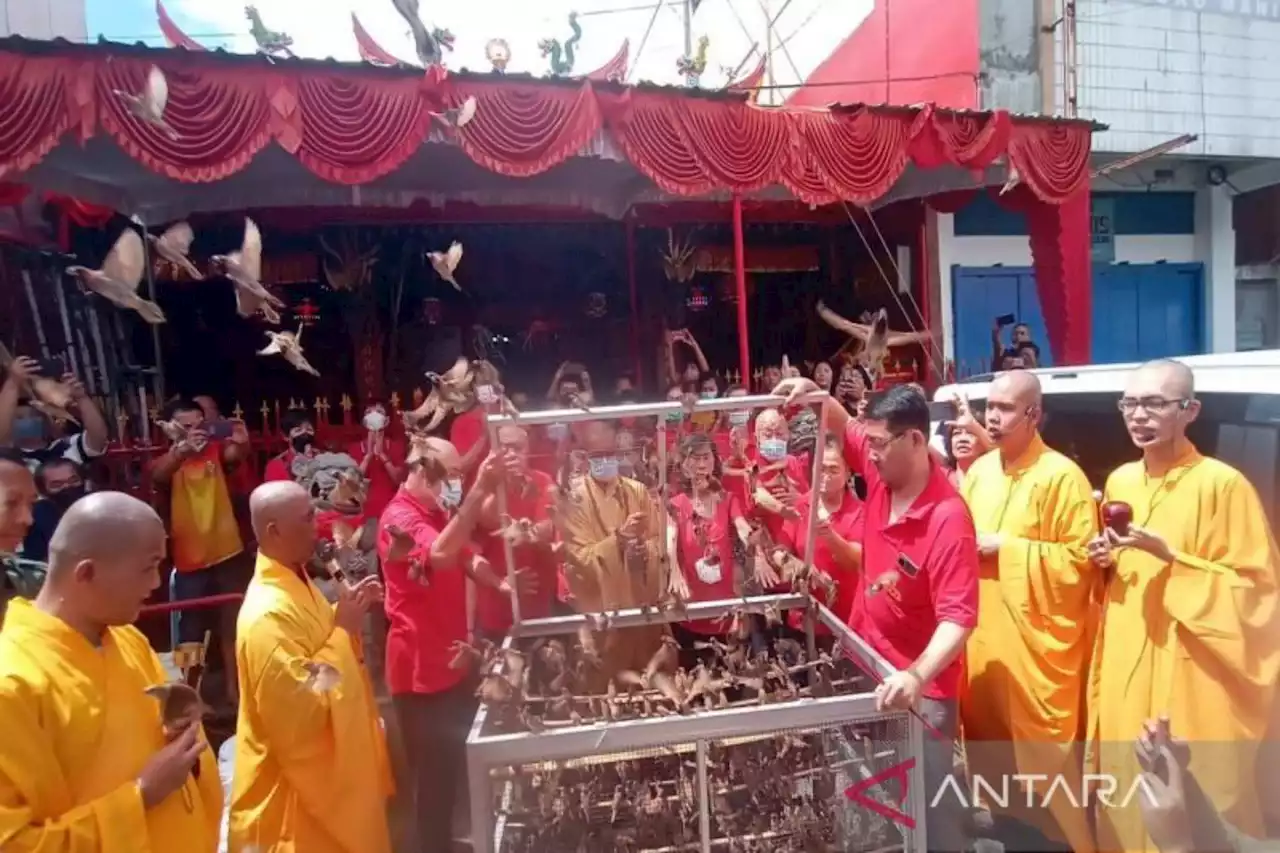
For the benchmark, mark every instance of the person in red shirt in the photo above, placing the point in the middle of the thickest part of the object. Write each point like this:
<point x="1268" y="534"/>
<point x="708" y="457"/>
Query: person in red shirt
<point x="529" y="494"/>
<point x="301" y="434"/>
<point x="704" y="521"/>
<point x="381" y="459"/>
<point x="917" y="602"/>
<point x="837" y="549"/>
<point x="434" y="703"/>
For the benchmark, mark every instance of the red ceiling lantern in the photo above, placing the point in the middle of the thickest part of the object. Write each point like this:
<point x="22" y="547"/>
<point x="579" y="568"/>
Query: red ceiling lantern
<point x="698" y="299"/>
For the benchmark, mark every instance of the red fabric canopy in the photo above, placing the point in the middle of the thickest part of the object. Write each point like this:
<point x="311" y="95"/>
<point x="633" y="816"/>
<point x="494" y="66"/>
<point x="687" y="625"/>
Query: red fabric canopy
<point x="355" y="124"/>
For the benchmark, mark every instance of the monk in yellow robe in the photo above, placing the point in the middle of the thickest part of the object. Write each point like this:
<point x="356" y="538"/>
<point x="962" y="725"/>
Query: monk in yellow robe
<point x="1022" y="710"/>
<point x="87" y="763"/>
<point x="311" y="769"/>
<point x="611" y="532"/>
<point x="1191" y="629"/>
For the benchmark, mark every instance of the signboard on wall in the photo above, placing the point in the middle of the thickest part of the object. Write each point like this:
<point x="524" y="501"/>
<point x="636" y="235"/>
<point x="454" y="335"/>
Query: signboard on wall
<point x="1103" y="229"/>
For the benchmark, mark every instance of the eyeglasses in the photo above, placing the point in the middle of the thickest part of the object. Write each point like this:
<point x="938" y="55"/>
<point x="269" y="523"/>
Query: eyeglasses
<point x="880" y="445"/>
<point x="1153" y="405"/>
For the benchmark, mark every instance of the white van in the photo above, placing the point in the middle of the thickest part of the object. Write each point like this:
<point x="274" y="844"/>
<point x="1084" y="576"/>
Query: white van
<point x="1239" y="421"/>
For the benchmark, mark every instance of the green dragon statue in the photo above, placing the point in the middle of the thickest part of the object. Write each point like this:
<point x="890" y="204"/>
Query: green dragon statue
<point x="693" y="66"/>
<point x="269" y="42"/>
<point x="562" y="57"/>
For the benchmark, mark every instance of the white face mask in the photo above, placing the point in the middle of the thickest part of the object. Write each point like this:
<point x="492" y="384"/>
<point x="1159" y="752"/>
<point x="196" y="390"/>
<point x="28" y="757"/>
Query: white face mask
<point x="375" y="421"/>
<point x="486" y="395"/>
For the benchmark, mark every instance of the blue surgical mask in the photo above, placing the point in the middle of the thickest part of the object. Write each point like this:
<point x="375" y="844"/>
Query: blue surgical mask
<point x="708" y="395"/>
<point x="773" y="449"/>
<point x="604" y="467"/>
<point x="557" y="432"/>
<point x="739" y="418"/>
<point x="451" y="493"/>
<point x="28" y="428"/>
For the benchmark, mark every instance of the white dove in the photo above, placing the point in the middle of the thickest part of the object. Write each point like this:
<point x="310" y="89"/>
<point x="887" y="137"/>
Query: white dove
<point x="444" y="263"/>
<point x="174" y="246"/>
<point x="244" y="268"/>
<point x="289" y="345"/>
<point x="119" y="277"/>
<point x="461" y="115"/>
<point x="149" y="105"/>
<point x="876" y="337"/>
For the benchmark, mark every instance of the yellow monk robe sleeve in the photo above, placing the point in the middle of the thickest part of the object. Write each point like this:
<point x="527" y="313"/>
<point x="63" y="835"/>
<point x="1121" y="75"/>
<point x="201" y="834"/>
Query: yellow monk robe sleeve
<point x="301" y="725"/>
<point x="1224" y="596"/>
<point x="587" y="555"/>
<point x="1058" y="559"/>
<point x="36" y="812"/>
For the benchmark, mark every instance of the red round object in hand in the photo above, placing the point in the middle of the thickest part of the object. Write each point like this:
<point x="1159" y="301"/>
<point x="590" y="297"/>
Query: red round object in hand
<point x="1117" y="515"/>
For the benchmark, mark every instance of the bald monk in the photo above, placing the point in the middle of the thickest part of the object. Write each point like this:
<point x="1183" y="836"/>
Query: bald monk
<point x="85" y="765"/>
<point x="611" y="531"/>
<point x="311" y="771"/>
<point x="1191" y="628"/>
<point x="17" y="496"/>
<point x="1028" y="657"/>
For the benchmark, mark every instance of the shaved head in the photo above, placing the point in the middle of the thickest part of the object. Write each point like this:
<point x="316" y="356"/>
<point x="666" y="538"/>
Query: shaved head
<point x="1013" y="411"/>
<point x="1158" y="405"/>
<point x="284" y="522"/>
<point x="1172" y="377"/>
<point x="104" y="561"/>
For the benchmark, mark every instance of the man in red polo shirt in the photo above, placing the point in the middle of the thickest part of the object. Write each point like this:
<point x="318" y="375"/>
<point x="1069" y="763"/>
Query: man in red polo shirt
<point x="917" y="601"/>
<point x="426" y="604"/>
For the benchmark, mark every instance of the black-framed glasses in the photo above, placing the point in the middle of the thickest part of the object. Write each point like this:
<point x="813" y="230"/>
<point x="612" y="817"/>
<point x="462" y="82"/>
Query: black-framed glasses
<point x="1153" y="405"/>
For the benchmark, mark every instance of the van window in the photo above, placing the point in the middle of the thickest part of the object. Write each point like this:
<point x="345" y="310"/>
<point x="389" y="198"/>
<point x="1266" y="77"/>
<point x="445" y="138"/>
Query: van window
<point x="1242" y="430"/>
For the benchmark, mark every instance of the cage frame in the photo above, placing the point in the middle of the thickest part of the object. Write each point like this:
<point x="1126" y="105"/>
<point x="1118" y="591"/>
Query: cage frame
<point x="485" y="752"/>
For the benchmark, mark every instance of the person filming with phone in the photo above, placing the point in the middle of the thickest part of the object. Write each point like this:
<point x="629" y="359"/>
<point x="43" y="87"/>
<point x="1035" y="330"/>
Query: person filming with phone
<point x="1022" y="350"/>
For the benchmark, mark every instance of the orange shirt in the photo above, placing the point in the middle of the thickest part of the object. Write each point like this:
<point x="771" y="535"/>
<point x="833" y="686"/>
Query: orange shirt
<point x="202" y="522"/>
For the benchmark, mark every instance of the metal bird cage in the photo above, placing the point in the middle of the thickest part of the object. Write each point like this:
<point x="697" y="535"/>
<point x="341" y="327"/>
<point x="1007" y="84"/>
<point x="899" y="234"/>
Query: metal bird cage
<point x="794" y="768"/>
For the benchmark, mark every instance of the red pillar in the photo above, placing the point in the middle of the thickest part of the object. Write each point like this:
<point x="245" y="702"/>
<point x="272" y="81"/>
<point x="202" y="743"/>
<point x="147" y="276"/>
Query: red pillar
<point x="740" y="281"/>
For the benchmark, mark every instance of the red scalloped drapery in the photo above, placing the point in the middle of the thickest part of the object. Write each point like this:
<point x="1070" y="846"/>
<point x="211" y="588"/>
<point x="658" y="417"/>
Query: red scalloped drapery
<point x="354" y="125"/>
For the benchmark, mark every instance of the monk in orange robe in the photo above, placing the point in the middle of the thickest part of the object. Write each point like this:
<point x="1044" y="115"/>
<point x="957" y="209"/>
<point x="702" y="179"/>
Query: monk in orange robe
<point x="1191" y="629"/>
<point x="311" y="768"/>
<point x="1022" y="711"/>
<point x="89" y="761"/>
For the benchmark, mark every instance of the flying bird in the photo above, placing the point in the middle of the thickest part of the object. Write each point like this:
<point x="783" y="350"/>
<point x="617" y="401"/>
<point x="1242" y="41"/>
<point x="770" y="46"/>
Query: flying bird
<point x="445" y="263"/>
<point x="429" y="48"/>
<point x="48" y="395"/>
<point x="120" y="276"/>
<point x="244" y="268"/>
<point x="289" y="345"/>
<point x="174" y="246"/>
<point x="876" y="337"/>
<point x="148" y="106"/>
<point x="460" y="116"/>
<point x="449" y="391"/>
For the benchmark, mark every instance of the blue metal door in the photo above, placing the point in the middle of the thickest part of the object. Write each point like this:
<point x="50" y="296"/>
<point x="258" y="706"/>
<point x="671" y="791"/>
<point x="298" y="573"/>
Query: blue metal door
<point x="1140" y="311"/>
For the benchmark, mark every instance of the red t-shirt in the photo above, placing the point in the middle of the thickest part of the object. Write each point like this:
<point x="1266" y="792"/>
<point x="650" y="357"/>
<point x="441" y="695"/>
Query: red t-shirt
<point x="381" y="487"/>
<point x="423" y="621"/>
<point x="716" y="539"/>
<point x="939" y="584"/>
<point x="493" y="609"/>
<point x="278" y="468"/>
<point x="846" y="522"/>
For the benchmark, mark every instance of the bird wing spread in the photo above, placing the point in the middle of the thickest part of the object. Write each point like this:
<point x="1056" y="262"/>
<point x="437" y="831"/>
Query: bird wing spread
<point x="251" y="250"/>
<point x="178" y="238"/>
<point x="457" y="373"/>
<point x="454" y="256"/>
<point x="124" y="263"/>
<point x="271" y="348"/>
<point x="835" y="321"/>
<point x="157" y="92"/>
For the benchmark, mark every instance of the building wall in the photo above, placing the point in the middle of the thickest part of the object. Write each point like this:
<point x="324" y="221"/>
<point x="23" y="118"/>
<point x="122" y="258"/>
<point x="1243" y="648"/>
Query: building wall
<point x="1155" y="69"/>
<point x="43" y="19"/>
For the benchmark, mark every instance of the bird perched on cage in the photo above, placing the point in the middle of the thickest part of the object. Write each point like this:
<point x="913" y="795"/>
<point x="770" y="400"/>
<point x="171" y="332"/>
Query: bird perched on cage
<point x="450" y="391"/>
<point x="876" y="338"/>
<point x="174" y="247"/>
<point x="47" y="395"/>
<point x="289" y="345"/>
<point x="148" y="106"/>
<point x="244" y="268"/>
<point x="118" y="279"/>
<point x="446" y="263"/>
